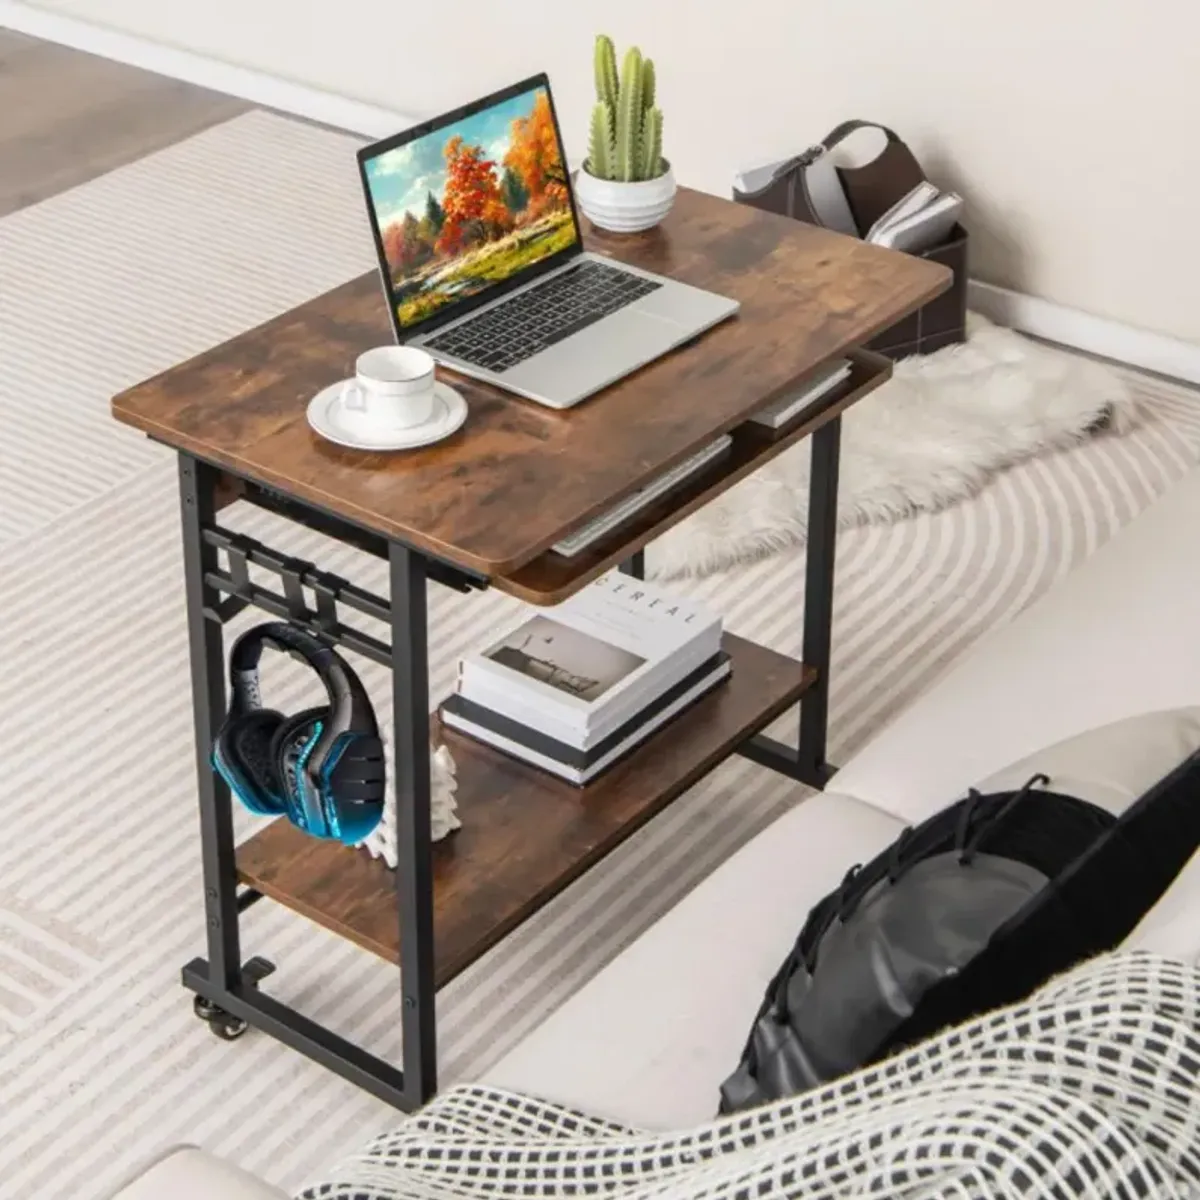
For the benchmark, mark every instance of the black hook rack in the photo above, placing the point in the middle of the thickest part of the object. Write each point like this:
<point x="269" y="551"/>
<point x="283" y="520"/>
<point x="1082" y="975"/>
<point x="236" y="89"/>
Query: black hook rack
<point x="296" y="575"/>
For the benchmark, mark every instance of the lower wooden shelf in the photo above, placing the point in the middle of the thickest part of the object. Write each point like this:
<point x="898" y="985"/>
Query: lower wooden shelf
<point x="525" y="835"/>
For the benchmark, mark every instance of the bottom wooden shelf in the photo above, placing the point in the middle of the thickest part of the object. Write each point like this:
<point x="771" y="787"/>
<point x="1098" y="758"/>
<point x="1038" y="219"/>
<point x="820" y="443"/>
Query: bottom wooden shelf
<point x="525" y="835"/>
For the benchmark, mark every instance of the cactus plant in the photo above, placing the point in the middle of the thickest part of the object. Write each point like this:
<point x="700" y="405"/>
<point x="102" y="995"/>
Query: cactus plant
<point x="625" y="138"/>
<point x="651" y="149"/>
<point x="600" y="143"/>
<point x="606" y="77"/>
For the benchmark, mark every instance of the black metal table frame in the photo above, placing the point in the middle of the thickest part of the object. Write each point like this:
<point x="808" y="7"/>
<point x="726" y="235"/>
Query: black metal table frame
<point x="226" y="987"/>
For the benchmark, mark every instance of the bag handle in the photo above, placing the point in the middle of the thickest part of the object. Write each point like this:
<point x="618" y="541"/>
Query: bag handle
<point x="839" y="133"/>
<point x="873" y="187"/>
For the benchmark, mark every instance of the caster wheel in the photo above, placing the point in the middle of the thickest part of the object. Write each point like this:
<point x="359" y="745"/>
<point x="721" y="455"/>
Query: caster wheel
<point x="223" y="1025"/>
<point x="206" y="1010"/>
<point x="227" y="1028"/>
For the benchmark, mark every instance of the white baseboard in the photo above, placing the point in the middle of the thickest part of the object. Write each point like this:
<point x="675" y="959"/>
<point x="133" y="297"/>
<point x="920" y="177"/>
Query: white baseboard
<point x="1083" y="331"/>
<point x="257" y="87"/>
<point x="1054" y="322"/>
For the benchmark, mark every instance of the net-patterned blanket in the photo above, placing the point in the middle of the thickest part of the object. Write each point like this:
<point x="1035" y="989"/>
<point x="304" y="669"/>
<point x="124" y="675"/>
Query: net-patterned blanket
<point x="1091" y="1089"/>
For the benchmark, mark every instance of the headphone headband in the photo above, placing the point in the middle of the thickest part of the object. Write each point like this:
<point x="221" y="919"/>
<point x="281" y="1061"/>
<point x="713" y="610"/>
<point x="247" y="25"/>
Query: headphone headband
<point x="349" y="705"/>
<point x="248" y="648"/>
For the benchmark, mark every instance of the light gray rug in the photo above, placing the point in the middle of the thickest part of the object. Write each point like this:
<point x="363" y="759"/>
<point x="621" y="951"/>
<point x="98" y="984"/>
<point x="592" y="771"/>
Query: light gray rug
<point x="101" y="1061"/>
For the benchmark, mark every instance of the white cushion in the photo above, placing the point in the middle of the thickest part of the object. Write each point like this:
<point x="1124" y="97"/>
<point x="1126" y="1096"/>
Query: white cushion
<point x="650" y="1039"/>
<point x="188" y="1173"/>
<point x="1119" y="636"/>
<point x="1110" y="766"/>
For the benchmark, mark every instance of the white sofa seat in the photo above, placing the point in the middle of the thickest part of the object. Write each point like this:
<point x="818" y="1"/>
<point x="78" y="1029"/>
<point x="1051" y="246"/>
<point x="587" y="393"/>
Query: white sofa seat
<point x="189" y="1173"/>
<point x="649" y="1040"/>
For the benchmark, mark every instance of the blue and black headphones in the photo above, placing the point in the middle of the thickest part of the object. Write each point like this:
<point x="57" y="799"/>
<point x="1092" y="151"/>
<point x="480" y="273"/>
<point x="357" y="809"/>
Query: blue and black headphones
<point x="322" y="768"/>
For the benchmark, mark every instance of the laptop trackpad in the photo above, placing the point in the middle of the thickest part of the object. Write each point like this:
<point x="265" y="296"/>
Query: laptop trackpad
<point x="596" y="356"/>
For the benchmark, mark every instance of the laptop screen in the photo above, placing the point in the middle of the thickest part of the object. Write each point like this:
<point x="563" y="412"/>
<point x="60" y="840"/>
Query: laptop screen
<point x="462" y="208"/>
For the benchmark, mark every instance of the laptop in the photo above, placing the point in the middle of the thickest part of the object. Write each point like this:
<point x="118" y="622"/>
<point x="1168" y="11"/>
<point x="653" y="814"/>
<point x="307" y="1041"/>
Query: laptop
<point x="483" y="264"/>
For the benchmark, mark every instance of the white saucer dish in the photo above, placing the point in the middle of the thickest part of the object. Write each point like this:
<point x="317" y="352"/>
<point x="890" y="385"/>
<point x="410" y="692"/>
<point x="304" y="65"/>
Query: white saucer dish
<point x="449" y="413"/>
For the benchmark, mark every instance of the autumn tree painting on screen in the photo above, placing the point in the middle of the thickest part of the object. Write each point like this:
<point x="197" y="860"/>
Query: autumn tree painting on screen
<point x="465" y="207"/>
<point x="474" y="207"/>
<point x="533" y="157"/>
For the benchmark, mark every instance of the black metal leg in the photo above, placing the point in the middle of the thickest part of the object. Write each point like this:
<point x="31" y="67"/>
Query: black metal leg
<point x="818" y="597"/>
<point x="414" y="871"/>
<point x="635" y="565"/>
<point x="807" y="762"/>
<point x="227" y="990"/>
<point x="196" y="490"/>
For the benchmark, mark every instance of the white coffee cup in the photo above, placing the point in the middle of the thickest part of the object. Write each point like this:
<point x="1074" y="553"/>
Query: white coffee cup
<point x="392" y="389"/>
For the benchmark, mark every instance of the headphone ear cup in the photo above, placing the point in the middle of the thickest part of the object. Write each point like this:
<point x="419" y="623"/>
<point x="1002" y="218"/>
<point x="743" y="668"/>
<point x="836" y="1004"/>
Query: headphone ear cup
<point x="242" y="754"/>
<point x="286" y="751"/>
<point x="357" y="784"/>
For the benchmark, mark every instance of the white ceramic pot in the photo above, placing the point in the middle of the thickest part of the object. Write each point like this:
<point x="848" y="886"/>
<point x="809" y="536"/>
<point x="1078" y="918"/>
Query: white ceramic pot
<point x="625" y="207"/>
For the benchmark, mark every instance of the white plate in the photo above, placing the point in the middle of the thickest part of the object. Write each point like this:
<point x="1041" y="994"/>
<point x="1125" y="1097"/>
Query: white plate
<point x="449" y="413"/>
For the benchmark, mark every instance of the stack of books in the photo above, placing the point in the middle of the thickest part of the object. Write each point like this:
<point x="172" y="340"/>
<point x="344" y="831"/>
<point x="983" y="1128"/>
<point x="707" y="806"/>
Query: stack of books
<point x="574" y="688"/>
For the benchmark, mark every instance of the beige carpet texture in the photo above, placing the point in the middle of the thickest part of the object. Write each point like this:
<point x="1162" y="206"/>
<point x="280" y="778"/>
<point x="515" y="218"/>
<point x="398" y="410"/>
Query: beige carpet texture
<point x="101" y="1061"/>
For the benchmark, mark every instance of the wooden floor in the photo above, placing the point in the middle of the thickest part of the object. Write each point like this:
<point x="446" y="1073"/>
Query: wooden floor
<point x="66" y="117"/>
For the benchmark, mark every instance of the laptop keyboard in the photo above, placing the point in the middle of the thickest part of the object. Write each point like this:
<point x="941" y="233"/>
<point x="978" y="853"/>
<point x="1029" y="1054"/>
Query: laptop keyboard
<point x="519" y="328"/>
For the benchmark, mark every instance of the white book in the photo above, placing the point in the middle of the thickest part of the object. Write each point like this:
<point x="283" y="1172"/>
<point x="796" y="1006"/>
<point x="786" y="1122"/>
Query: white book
<point x="581" y="776"/>
<point x="779" y="412"/>
<point x="603" y="649"/>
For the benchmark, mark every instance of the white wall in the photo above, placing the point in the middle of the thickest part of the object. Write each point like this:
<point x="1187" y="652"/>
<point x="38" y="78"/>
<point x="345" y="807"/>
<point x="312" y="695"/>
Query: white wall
<point x="1070" y="125"/>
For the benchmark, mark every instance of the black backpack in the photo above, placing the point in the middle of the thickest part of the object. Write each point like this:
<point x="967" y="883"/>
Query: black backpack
<point x="970" y="910"/>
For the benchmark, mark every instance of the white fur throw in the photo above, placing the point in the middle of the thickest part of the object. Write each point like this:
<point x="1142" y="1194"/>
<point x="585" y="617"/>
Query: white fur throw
<point x="931" y="435"/>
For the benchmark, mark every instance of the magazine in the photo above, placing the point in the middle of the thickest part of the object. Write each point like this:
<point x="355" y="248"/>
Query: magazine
<point x="921" y="219"/>
<point x="609" y="648"/>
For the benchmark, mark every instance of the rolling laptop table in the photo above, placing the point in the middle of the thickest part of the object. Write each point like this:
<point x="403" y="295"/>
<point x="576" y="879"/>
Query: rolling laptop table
<point x="479" y="510"/>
